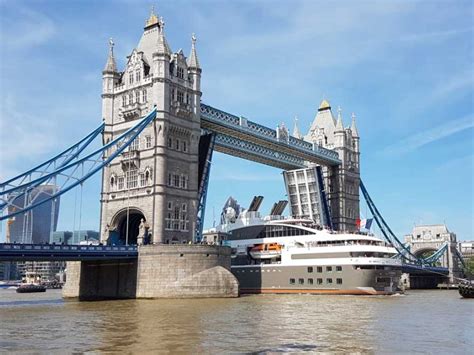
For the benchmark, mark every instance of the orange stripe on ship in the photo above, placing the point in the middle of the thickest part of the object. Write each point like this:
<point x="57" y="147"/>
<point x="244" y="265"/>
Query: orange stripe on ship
<point x="321" y="292"/>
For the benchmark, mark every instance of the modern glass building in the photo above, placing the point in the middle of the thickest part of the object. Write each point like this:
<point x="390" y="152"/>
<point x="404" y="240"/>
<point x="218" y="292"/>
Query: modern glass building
<point x="35" y="226"/>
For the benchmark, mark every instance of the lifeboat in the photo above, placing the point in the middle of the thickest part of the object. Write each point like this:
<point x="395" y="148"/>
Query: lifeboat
<point x="265" y="251"/>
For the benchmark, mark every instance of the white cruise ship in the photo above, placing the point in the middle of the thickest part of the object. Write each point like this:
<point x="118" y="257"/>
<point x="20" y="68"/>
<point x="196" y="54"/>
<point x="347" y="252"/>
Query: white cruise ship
<point x="283" y="255"/>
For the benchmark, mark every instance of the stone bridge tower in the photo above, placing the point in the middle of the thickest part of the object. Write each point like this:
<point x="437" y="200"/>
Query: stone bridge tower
<point x="153" y="186"/>
<point x="341" y="182"/>
<point x="425" y="240"/>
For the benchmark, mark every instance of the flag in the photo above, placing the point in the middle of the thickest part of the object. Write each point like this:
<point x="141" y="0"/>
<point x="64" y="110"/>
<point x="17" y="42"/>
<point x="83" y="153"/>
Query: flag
<point x="366" y="223"/>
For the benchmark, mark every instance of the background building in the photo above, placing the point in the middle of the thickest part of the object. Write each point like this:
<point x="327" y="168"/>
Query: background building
<point x="36" y="225"/>
<point x="67" y="237"/>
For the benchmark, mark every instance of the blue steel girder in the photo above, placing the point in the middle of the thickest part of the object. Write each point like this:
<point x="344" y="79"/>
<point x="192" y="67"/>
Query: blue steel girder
<point x="75" y="173"/>
<point x="224" y="123"/>
<point x="251" y="151"/>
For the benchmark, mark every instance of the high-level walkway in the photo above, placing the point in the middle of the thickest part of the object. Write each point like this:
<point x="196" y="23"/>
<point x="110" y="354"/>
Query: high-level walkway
<point x="243" y="138"/>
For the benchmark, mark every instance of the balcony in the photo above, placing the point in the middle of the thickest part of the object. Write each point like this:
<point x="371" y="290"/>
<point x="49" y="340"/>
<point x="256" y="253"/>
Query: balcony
<point x="181" y="109"/>
<point x="133" y="111"/>
<point x="130" y="159"/>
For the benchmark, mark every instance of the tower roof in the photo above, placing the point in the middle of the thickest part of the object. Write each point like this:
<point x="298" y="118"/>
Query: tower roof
<point x="111" y="65"/>
<point x="355" y="133"/>
<point x="193" y="61"/>
<point x="153" y="19"/>
<point x="324" y="105"/>
<point x="153" y="38"/>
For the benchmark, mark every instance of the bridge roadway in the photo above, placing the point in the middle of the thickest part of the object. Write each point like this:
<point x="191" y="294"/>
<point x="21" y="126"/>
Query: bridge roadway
<point x="55" y="252"/>
<point x="424" y="270"/>
<point x="240" y="137"/>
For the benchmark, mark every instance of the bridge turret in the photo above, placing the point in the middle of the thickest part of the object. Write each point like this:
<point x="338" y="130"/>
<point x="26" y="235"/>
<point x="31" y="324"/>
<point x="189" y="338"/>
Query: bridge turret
<point x="161" y="68"/>
<point x="296" y="130"/>
<point x="355" y="133"/>
<point x="339" y="134"/>
<point x="194" y="70"/>
<point x="110" y="78"/>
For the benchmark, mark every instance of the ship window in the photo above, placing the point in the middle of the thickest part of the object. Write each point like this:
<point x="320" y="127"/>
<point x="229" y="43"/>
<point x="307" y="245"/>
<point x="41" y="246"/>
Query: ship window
<point x="320" y="269"/>
<point x="338" y="268"/>
<point x="292" y="281"/>
<point x="310" y="281"/>
<point x="319" y="281"/>
<point x="329" y="281"/>
<point x="329" y="268"/>
<point x="310" y="269"/>
<point x="301" y="281"/>
<point x="339" y="281"/>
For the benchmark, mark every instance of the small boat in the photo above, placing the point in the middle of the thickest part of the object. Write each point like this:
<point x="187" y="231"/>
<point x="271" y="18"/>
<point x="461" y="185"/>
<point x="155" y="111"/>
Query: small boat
<point x="265" y="251"/>
<point x="466" y="288"/>
<point x="29" y="288"/>
<point x="31" y="283"/>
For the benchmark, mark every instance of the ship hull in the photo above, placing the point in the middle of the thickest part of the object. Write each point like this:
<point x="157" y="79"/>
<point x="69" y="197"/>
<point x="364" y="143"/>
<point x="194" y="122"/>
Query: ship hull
<point x="350" y="280"/>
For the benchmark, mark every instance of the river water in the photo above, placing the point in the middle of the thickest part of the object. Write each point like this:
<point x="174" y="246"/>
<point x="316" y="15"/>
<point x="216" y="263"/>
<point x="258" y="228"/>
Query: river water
<point x="417" y="322"/>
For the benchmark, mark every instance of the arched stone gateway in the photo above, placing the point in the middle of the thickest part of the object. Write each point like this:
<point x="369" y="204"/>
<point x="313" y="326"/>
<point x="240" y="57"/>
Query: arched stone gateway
<point x="128" y="227"/>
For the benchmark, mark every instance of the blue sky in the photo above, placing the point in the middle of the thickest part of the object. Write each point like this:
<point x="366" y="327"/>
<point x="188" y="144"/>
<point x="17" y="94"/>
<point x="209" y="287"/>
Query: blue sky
<point x="404" y="67"/>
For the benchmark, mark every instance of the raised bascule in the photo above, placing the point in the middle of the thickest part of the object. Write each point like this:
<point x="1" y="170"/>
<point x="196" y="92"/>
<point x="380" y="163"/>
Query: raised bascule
<point x="158" y="140"/>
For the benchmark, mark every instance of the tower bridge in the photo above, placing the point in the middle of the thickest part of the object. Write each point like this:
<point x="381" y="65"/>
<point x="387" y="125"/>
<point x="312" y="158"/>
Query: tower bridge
<point x="158" y="139"/>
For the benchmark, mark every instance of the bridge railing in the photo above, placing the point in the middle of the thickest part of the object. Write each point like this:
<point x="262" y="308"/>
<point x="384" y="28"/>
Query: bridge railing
<point x="58" y="248"/>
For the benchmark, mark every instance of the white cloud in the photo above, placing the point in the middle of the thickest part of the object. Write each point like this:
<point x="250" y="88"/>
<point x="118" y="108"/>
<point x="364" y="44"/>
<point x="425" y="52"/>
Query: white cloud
<point x="431" y="135"/>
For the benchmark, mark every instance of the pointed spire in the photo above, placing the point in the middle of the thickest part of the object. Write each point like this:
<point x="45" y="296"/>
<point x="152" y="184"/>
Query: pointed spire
<point x="355" y="133"/>
<point x="296" y="130"/>
<point x="162" y="45"/>
<point x="339" y="125"/>
<point x="111" y="66"/>
<point x="193" y="61"/>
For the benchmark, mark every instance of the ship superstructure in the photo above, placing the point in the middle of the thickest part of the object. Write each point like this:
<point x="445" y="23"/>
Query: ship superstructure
<point x="277" y="254"/>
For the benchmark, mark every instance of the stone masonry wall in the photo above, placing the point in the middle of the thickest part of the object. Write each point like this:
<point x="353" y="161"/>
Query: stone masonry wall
<point x="73" y="276"/>
<point x="161" y="271"/>
<point x="185" y="271"/>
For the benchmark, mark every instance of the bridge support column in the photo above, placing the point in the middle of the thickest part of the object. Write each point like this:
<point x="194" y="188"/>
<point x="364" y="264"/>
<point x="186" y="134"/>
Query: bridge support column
<point x="161" y="271"/>
<point x="101" y="280"/>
